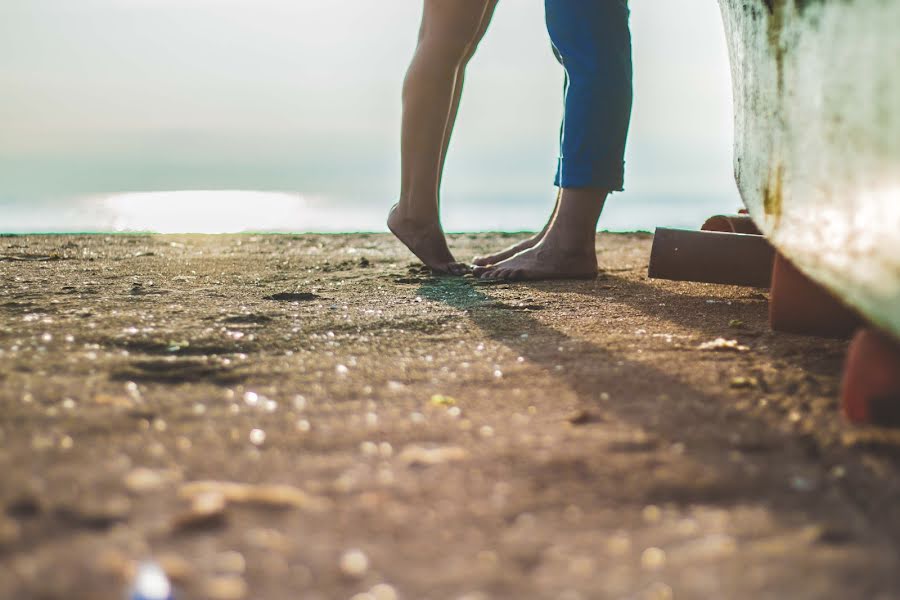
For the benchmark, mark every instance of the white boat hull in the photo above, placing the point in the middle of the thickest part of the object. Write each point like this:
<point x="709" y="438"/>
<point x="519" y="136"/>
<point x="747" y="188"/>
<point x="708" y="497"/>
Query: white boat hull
<point x="817" y="140"/>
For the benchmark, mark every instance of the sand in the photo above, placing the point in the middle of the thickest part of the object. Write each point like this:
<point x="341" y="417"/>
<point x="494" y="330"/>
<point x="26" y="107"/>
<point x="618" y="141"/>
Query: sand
<point x="313" y="416"/>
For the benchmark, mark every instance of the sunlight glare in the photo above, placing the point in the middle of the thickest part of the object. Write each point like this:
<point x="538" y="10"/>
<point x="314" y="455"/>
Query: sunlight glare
<point x="206" y="211"/>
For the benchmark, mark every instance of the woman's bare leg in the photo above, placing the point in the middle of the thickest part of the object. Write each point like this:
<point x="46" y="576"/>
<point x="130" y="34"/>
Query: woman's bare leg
<point x="460" y="82"/>
<point x="450" y="30"/>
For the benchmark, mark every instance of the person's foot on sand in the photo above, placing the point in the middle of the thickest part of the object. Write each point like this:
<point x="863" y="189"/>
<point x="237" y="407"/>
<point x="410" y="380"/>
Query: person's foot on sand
<point x="545" y="260"/>
<point x="426" y="240"/>
<point x="493" y="259"/>
<point x="566" y="250"/>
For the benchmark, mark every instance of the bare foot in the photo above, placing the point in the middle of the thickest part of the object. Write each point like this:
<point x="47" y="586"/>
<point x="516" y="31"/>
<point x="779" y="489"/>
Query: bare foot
<point x="493" y="259"/>
<point x="543" y="261"/>
<point x="426" y="241"/>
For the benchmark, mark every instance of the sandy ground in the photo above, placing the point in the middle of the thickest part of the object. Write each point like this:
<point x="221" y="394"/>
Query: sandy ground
<point x="315" y="417"/>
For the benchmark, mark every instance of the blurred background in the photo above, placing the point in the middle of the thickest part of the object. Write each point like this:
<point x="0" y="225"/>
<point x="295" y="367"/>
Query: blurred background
<point x="283" y="115"/>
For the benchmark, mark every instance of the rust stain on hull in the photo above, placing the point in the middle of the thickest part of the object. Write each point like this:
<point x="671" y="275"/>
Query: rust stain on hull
<point x="772" y="201"/>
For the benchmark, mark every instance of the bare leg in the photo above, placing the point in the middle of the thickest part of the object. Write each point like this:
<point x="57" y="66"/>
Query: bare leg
<point x="492" y="259"/>
<point x="567" y="249"/>
<point x="450" y="30"/>
<point x="460" y="82"/>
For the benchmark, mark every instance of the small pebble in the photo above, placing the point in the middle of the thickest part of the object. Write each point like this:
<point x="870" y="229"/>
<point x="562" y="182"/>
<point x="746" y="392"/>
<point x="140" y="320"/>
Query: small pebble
<point x="652" y="514"/>
<point x="143" y="480"/>
<point x="354" y="563"/>
<point x="257" y="437"/>
<point x="653" y="559"/>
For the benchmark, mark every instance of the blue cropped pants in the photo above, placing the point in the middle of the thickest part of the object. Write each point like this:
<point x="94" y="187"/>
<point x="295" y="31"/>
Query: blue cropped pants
<point x="592" y="41"/>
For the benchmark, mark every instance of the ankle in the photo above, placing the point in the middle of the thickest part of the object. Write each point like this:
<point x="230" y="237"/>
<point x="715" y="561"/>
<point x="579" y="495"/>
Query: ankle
<point x="571" y="246"/>
<point x="571" y="237"/>
<point x="414" y="214"/>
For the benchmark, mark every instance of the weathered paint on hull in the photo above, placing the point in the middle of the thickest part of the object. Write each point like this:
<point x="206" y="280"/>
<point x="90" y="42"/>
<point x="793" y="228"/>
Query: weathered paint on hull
<point x="817" y="139"/>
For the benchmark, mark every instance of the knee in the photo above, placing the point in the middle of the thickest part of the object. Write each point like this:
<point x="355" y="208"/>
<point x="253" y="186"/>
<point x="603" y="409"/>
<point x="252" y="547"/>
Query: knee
<point x="448" y="45"/>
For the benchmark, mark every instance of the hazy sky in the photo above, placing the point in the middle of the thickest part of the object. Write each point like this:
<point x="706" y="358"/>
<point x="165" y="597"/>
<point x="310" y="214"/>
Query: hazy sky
<point x="116" y="95"/>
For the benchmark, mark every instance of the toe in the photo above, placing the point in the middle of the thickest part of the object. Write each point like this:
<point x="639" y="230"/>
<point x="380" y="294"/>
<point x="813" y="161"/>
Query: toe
<point x="459" y="268"/>
<point x="441" y="270"/>
<point x="480" y="261"/>
<point x="480" y="270"/>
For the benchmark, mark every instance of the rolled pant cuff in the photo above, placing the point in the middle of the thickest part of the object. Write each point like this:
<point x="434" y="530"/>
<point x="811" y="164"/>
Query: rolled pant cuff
<point x="604" y="179"/>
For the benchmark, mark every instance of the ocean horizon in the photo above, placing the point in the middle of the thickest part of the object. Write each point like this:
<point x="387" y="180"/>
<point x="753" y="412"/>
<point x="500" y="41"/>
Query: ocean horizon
<point x="232" y="211"/>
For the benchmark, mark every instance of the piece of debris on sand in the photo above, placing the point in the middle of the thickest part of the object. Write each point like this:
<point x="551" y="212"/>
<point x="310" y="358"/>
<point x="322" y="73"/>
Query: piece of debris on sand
<point x="143" y="480"/>
<point x="723" y="345"/>
<point x="740" y="383"/>
<point x="207" y="510"/>
<point x="271" y="495"/>
<point x="423" y="456"/>
<point x="442" y="400"/>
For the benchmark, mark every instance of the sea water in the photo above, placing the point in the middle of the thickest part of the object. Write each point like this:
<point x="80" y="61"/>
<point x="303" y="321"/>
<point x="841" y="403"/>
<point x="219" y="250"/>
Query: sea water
<point x="287" y="212"/>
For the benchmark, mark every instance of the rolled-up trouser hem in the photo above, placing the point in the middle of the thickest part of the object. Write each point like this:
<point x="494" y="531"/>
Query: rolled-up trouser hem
<point x="580" y="177"/>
